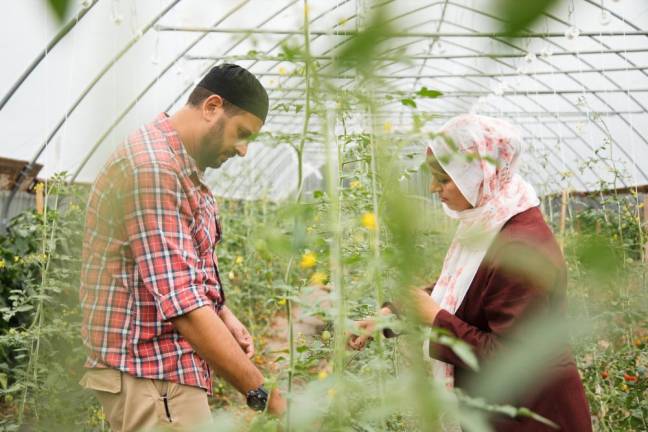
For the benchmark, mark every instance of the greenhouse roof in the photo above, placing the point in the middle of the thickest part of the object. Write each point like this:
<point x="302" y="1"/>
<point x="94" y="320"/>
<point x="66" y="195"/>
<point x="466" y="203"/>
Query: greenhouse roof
<point x="576" y="83"/>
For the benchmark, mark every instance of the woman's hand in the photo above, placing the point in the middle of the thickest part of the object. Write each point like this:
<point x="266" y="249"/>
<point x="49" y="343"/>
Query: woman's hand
<point x="367" y="327"/>
<point x="359" y="341"/>
<point x="425" y="307"/>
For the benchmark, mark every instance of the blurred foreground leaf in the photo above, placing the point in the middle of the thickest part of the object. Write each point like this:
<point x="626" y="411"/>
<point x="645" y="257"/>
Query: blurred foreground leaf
<point x="536" y="344"/>
<point x="59" y="7"/>
<point x="519" y="14"/>
<point x="361" y="50"/>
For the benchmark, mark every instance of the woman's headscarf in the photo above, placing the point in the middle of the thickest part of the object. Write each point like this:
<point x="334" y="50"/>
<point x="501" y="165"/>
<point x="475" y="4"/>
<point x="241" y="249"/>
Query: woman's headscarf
<point x="480" y="154"/>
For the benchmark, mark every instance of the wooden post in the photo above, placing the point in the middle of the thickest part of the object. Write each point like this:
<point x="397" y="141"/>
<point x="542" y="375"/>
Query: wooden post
<point x="563" y="217"/>
<point x="40" y="199"/>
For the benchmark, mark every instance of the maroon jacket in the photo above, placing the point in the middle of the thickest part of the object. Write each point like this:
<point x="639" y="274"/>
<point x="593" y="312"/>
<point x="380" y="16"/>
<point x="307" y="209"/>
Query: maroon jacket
<point x="498" y="299"/>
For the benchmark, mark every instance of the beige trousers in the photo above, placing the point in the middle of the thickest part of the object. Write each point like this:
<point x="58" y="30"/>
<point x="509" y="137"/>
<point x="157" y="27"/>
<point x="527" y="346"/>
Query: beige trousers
<point x="140" y="404"/>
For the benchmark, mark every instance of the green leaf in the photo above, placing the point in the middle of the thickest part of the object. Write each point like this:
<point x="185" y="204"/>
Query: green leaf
<point x="24" y="308"/>
<point x="462" y="350"/>
<point x="427" y="93"/>
<point x="518" y="15"/>
<point x="362" y="48"/>
<point x="409" y="102"/>
<point x="59" y="7"/>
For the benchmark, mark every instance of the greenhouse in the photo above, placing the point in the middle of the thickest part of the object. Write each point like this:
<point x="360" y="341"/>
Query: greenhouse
<point x="324" y="215"/>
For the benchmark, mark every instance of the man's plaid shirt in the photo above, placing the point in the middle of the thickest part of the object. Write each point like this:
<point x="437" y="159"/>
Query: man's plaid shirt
<point x="148" y="256"/>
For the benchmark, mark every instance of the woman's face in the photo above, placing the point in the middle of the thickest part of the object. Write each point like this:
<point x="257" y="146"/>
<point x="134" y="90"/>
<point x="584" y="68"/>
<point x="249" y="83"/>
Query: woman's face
<point x="448" y="191"/>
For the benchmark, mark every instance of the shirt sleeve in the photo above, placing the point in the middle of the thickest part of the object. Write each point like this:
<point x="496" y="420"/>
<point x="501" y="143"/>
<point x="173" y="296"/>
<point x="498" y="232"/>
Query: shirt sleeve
<point x="511" y="295"/>
<point x="158" y="222"/>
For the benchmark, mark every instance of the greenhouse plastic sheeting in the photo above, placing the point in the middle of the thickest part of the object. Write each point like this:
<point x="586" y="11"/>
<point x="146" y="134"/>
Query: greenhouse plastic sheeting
<point x="577" y="86"/>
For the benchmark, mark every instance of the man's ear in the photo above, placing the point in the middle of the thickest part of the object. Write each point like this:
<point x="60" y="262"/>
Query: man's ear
<point x="212" y="106"/>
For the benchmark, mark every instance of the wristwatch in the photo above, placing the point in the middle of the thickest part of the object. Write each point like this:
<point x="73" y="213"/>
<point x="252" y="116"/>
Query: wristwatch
<point x="257" y="399"/>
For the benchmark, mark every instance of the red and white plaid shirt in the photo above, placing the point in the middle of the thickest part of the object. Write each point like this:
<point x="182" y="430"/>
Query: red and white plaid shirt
<point x="148" y="256"/>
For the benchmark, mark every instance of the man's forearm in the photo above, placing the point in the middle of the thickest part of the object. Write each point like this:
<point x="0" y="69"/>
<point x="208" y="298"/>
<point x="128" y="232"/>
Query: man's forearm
<point x="211" y="339"/>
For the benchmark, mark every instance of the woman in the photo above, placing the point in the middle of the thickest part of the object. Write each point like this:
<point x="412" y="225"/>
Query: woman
<point x="485" y="289"/>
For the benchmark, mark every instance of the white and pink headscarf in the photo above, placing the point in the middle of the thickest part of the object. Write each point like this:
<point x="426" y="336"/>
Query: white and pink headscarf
<point x="480" y="154"/>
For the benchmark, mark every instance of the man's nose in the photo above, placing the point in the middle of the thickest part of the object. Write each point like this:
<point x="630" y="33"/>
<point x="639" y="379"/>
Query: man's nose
<point x="241" y="149"/>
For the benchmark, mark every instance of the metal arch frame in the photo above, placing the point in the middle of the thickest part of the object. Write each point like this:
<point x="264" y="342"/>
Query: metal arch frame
<point x="540" y="82"/>
<point x="275" y="165"/>
<point x="552" y="165"/>
<point x="150" y="85"/>
<point x="420" y="57"/>
<point x="75" y="104"/>
<point x="236" y="181"/>
<point x="597" y="34"/>
<point x="143" y="92"/>
<point x="513" y="103"/>
<point x="434" y="42"/>
<point x="256" y="61"/>
<point x="257" y="162"/>
<point x="49" y="47"/>
<point x="387" y="77"/>
<point x="570" y="76"/>
<point x="481" y="55"/>
<point x="252" y="167"/>
<point x="491" y="35"/>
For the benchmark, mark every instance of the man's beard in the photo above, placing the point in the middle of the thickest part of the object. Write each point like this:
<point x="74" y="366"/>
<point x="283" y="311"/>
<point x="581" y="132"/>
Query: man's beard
<point x="211" y="147"/>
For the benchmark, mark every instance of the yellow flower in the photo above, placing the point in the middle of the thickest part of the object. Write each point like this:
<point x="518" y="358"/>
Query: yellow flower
<point x="281" y="302"/>
<point x="625" y="388"/>
<point x="2" y="263"/>
<point x="318" y="278"/>
<point x="355" y="184"/>
<point x="308" y="260"/>
<point x="369" y="221"/>
<point x="322" y="375"/>
<point x="231" y="275"/>
<point x="16" y="258"/>
<point x="388" y="126"/>
<point x="282" y="70"/>
<point x="331" y="393"/>
<point x="239" y="260"/>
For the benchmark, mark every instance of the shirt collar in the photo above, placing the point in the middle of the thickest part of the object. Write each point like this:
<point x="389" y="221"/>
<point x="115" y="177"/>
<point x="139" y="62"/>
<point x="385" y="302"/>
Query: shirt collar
<point x="189" y="165"/>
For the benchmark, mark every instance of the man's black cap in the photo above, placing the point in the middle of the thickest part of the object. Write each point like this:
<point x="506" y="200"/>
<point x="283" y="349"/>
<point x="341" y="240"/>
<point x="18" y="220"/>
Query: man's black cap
<point x="238" y="86"/>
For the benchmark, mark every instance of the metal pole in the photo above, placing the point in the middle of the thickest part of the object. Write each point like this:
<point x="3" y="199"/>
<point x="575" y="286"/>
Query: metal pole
<point x="257" y="31"/>
<point x="485" y="75"/>
<point x="27" y="168"/>
<point x="34" y="64"/>
<point x="147" y="88"/>
<point x="506" y="93"/>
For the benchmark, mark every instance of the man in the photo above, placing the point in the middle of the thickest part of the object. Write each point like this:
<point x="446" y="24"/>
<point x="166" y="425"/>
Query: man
<point x="154" y="313"/>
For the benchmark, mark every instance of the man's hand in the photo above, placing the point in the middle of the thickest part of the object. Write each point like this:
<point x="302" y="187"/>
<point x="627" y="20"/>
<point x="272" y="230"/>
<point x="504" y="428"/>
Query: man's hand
<point x="212" y="340"/>
<point x="276" y="403"/>
<point x="238" y="330"/>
